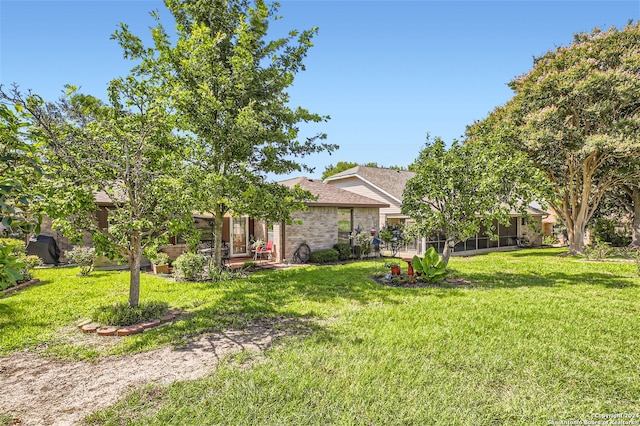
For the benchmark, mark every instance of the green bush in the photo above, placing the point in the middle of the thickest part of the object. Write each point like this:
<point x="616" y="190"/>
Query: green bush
<point x="598" y="250"/>
<point x="30" y="262"/>
<point x="83" y="257"/>
<point x="190" y="266"/>
<point x="248" y="264"/>
<point x="160" y="258"/>
<point x="121" y="314"/>
<point x="610" y="231"/>
<point x="18" y="247"/>
<point x="324" y="256"/>
<point x="10" y="267"/>
<point x="344" y="250"/>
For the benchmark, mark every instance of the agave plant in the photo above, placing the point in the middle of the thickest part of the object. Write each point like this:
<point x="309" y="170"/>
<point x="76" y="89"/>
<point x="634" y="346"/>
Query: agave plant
<point x="430" y="267"/>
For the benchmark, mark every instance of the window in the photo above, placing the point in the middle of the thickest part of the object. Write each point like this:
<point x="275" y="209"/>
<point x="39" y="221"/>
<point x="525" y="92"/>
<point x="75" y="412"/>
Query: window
<point x="345" y="225"/>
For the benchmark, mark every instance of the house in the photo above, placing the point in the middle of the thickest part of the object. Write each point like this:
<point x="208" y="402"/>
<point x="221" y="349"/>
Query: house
<point x="387" y="185"/>
<point x="328" y="220"/>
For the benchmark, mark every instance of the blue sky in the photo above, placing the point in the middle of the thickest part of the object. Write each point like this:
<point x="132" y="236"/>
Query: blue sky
<point x="387" y="72"/>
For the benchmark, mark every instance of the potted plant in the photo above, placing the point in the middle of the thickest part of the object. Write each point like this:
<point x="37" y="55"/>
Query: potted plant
<point x="160" y="263"/>
<point x="394" y="266"/>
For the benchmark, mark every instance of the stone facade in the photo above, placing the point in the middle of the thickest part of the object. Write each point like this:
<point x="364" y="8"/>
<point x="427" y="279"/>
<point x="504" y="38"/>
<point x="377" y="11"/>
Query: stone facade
<point x="318" y="228"/>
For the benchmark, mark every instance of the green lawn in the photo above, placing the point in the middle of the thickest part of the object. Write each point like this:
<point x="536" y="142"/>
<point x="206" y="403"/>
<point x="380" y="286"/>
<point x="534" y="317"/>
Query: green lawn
<point x="537" y="338"/>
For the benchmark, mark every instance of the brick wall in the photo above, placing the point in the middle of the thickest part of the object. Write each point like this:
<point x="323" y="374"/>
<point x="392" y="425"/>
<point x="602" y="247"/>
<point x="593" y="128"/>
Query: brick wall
<point x="318" y="228"/>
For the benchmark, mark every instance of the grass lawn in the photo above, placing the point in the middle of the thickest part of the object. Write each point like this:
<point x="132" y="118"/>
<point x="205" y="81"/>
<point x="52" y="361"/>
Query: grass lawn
<point x="537" y="338"/>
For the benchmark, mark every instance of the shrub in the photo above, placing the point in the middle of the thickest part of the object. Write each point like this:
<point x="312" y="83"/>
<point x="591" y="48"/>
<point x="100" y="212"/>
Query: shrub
<point x="598" y="250"/>
<point x="361" y="244"/>
<point x="160" y="259"/>
<point x="344" y="250"/>
<point x="248" y="264"/>
<point x="30" y="262"/>
<point x="10" y="267"/>
<point x="324" y="256"/>
<point x="610" y="231"/>
<point x="83" y="257"/>
<point x="430" y="266"/>
<point x="549" y="240"/>
<point x="190" y="266"/>
<point x="121" y="314"/>
<point x="17" y="247"/>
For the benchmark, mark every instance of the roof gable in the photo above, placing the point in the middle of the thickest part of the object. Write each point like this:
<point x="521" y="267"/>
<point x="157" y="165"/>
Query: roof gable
<point x="330" y="195"/>
<point x="390" y="181"/>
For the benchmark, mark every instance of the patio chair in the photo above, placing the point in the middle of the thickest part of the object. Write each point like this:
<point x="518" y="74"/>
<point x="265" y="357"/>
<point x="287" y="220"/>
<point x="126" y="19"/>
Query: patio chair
<point x="264" y="251"/>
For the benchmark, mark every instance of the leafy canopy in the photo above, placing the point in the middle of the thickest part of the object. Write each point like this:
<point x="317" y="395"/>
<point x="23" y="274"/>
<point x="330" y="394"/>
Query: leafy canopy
<point x="576" y="115"/>
<point x="456" y="190"/>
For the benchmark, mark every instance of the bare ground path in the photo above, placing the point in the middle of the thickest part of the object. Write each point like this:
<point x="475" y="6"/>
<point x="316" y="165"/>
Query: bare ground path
<point x="44" y="391"/>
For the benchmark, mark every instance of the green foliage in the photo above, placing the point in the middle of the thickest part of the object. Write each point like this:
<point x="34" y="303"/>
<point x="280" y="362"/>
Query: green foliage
<point x="549" y="240"/>
<point x="576" y="116"/>
<point x="121" y="314"/>
<point x="83" y="257"/>
<point x="430" y="267"/>
<point x="17" y="247"/>
<point x="160" y="258"/>
<point x="190" y="266"/>
<point x="324" y="256"/>
<point x="344" y="250"/>
<point x="361" y="243"/>
<point x="598" y="250"/>
<point x="456" y="190"/>
<point x="19" y="169"/>
<point x="30" y="262"/>
<point x="249" y="264"/>
<point x="609" y="230"/>
<point x="10" y="267"/>
<point x="227" y="79"/>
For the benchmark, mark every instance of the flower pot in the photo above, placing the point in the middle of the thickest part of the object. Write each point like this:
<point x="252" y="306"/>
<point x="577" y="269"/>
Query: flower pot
<point x="160" y="269"/>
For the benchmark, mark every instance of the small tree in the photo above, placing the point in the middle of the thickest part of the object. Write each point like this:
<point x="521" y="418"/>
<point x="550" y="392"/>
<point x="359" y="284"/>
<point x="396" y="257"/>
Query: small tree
<point x="126" y="150"/>
<point x="228" y="80"/>
<point x="456" y="190"/>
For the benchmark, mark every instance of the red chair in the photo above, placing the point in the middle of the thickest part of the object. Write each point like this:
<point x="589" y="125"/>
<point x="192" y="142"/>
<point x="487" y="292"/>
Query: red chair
<point x="268" y="250"/>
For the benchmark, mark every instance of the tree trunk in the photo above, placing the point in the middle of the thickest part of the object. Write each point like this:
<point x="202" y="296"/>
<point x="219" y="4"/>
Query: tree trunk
<point x="217" y="238"/>
<point x="576" y="237"/>
<point x="635" y="236"/>
<point x="446" y="253"/>
<point x="135" y="254"/>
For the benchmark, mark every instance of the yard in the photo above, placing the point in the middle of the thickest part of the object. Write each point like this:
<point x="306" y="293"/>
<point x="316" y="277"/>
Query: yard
<point x="535" y="338"/>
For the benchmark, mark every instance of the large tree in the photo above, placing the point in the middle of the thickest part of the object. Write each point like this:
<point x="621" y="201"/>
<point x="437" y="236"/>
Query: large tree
<point x="19" y="170"/>
<point x="126" y="149"/>
<point x="457" y="190"/>
<point x="576" y="115"/>
<point x="228" y="80"/>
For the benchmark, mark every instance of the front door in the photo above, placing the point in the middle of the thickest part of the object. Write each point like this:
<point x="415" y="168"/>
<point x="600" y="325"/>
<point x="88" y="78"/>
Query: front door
<point x="239" y="236"/>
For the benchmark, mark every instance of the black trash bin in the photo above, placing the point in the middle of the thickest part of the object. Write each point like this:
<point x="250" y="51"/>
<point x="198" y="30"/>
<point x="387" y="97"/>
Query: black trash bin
<point x="46" y="248"/>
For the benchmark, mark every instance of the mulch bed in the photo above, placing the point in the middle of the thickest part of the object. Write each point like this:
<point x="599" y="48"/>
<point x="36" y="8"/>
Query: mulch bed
<point x="405" y="281"/>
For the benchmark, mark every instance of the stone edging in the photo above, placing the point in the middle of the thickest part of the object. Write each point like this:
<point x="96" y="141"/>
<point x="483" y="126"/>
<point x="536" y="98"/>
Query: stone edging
<point x="21" y="286"/>
<point x="89" y="326"/>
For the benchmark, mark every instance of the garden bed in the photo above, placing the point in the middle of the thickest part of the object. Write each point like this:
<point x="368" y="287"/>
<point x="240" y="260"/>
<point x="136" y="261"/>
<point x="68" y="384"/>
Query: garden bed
<point x="406" y="281"/>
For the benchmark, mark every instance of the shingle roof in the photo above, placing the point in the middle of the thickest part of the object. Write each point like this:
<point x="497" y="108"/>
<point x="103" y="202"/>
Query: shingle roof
<point x="389" y="180"/>
<point x="330" y="196"/>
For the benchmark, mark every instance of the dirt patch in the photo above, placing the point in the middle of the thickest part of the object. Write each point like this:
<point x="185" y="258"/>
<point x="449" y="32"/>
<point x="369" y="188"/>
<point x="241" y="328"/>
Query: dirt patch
<point x="44" y="391"/>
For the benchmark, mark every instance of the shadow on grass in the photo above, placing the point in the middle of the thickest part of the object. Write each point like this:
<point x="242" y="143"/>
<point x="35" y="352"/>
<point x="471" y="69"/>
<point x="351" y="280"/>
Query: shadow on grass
<point x="524" y="279"/>
<point x="299" y="297"/>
